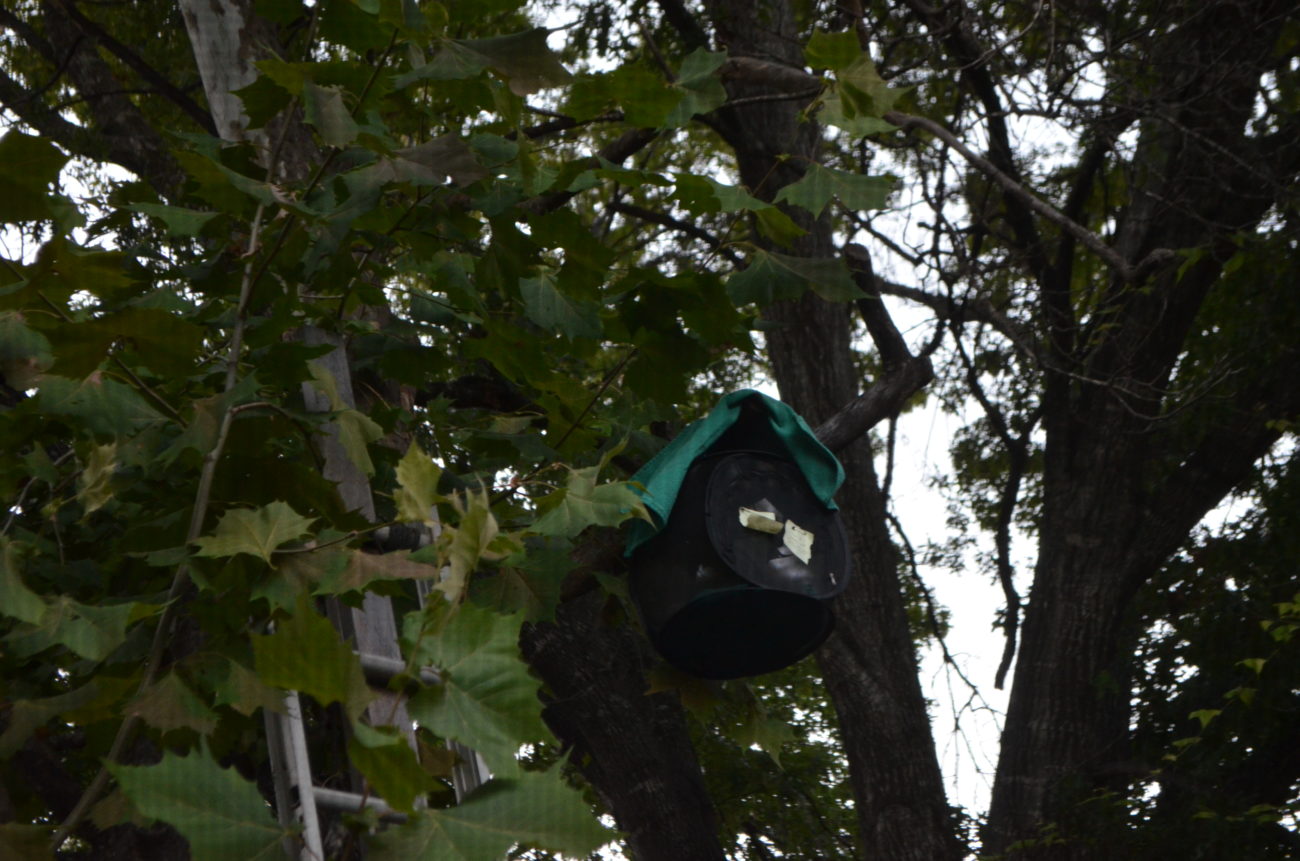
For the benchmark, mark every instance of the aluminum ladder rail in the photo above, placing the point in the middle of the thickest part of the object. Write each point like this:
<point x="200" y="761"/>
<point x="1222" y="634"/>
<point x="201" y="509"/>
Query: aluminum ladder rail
<point x="299" y="800"/>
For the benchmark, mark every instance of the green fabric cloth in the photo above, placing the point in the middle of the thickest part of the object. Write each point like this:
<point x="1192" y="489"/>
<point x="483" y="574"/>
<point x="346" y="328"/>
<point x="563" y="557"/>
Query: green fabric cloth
<point x="662" y="477"/>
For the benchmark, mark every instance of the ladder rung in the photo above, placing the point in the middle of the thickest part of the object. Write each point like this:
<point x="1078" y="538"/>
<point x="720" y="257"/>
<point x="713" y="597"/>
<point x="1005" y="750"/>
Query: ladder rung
<point x="380" y="670"/>
<point x="352" y="802"/>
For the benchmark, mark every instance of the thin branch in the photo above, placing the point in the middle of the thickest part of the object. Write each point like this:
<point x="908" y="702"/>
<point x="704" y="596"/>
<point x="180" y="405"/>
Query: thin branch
<point x="1086" y="237"/>
<point x="1017" y="449"/>
<point x="683" y="226"/>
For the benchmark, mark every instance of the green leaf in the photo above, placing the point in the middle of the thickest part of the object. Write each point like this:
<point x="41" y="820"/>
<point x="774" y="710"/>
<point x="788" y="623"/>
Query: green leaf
<point x="642" y="93"/>
<point x="306" y="654"/>
<point x="1205" y="716"/>
<point x="222" y="815"/>
<point x="863" y="92"/>
<point x="24" y="716"/>
<point x="527" y="582"/>
<point x="773" y="277"/>
<point x="584" y="503"/>
<point x="700" y="86"/>
<point x="488" y="698"/>
<point x="701" y="194"/>
<point x="180" y="220"/>
<point x="766" y="733"/>
<point x="255" y="531"/>
<point x="28" y="842"/>
<point x="777" y="226"/>
<point x="89" y="631"/>
<point x="1255" y="665"/>
<point x="16" y="600"/>
<point x="326" y="111"/>
<point x="819" y="184"/>
<point x="28" y="166"/>
<point x="169" y="704"/>
<point x="417" y="492"/>
<point x="536" y="809"/>
<point x="244" y="692"/>
<point x="831" y="50"/>
<point x="552" y="310"/>
<point x="24" y="352"/>
<point x="523" y="59"/>
<point x="104" y="406"/>
<point x="389" y="764"/>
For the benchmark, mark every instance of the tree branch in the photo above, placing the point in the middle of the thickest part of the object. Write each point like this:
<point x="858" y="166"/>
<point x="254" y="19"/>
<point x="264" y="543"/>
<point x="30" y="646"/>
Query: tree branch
<point x="139" y="66"/>
<point x="890" y="343"/>
<point x="884" y="399"/>
<point x="676" y="224"/>
<point x="1125" y="271"/>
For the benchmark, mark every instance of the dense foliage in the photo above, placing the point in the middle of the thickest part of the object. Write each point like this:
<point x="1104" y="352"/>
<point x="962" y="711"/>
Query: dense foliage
<point x="397" y="322"/>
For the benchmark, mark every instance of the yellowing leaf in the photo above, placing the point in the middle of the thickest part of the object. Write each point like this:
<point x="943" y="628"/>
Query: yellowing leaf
<point x="417" y="492"/>
<point x="169" y="704"/>
<point x="255" y="531"/>
<point x="466" y="543"/>
<point x="355" y="430"/>
<point x="94" y="484"/>
<point x="584" y="503"/>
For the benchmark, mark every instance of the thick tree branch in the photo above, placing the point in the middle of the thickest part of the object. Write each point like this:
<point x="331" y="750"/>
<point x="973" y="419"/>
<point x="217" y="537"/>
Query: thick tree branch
<point x="685" y="23"/>
<point x="884" y="399"/>
<point x="889" y="342"/>
<point x="139" y="66"/>
<point x="973" y="66"/>
<point x="121" y="131"/>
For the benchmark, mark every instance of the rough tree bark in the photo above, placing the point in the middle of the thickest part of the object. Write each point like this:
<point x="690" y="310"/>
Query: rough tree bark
<point x="869" y="663"/>
<point x="1113" y="510"/>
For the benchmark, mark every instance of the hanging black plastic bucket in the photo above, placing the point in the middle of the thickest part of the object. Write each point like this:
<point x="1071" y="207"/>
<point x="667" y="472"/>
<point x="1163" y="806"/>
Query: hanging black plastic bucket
<point x="738" y="582"/>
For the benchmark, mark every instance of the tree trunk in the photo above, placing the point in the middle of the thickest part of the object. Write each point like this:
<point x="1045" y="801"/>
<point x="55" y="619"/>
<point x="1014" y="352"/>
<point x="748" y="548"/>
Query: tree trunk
<point x="869" y="663"/>
<point x="632" y="746"/>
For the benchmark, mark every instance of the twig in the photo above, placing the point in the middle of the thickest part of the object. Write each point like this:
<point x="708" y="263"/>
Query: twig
<point x="22" y="494"/>
<point x="676" y="224"/>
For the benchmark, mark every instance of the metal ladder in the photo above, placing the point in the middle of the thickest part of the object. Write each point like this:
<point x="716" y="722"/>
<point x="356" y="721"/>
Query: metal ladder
<point x="297" y="798"/>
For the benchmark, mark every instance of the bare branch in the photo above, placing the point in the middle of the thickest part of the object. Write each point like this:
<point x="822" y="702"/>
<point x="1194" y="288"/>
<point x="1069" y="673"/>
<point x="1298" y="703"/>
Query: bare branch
<point x="1092" y="241"/>
<point x="676" y="224"/>
<point x="890" y="343"/>
<point x="884" y="399"/>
